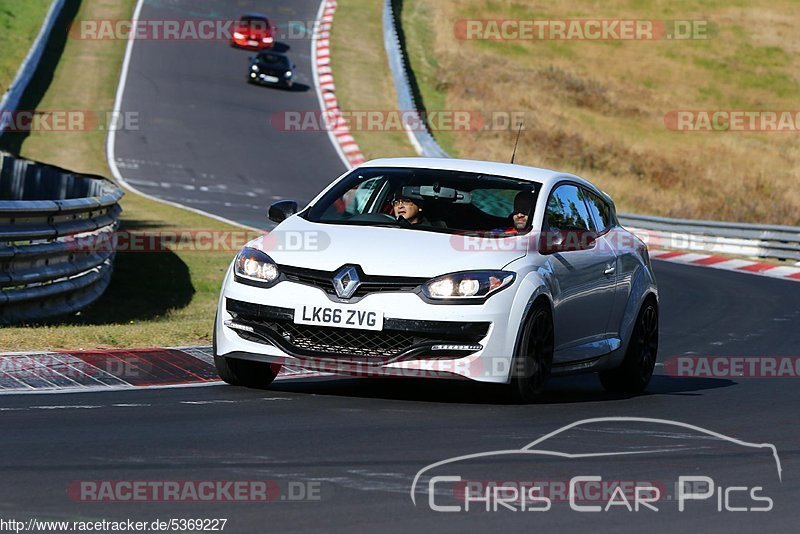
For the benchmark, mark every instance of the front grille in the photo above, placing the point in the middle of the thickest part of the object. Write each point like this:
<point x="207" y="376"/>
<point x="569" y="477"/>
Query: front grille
<point x="399" y="339"/>
<point x="369" y="284"/>
<point x="320" y="340"/>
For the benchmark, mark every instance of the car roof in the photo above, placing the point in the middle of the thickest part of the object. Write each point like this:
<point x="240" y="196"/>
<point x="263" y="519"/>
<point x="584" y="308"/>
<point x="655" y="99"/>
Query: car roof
<point x="547" y="177"/>
<point x="254" y="16"/>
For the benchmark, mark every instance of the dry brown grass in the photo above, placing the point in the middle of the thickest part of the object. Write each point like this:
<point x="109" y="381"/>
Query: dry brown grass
<point x="597" y="108"/>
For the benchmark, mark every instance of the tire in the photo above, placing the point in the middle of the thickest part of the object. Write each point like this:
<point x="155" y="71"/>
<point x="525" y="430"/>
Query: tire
<point x="636" y="370"/>
<point x="533" y="360"/>
<point x="237" y="372"/>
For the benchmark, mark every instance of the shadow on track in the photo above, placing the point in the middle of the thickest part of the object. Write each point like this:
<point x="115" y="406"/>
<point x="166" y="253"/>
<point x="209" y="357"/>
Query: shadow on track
<point x="563" y="390"/>
<point x="144" y="285"/>
<point x="295" y="88"/>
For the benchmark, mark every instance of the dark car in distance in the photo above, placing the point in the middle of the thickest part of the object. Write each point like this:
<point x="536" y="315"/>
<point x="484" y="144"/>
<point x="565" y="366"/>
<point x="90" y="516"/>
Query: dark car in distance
<point x="271" y="68"/>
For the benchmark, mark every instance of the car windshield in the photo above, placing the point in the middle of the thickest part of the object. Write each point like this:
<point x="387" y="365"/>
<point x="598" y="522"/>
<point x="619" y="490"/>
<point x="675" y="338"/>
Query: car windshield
<point x="272" y="59"/>
<point x="256" y="23"/>
<point x="443" y="201"/>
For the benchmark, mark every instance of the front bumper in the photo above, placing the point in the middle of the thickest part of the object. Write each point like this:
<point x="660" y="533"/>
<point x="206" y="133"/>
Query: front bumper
<point x="261" y="79"/>
<point x="418" y="338"/>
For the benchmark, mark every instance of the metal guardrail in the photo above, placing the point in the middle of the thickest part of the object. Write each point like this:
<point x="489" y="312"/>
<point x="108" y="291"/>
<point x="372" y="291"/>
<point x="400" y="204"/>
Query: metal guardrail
<point x="13" y="94"/>
<point x="50" y="223"/>
<point x="757" y="240"/>
<point x="421" y="138"/>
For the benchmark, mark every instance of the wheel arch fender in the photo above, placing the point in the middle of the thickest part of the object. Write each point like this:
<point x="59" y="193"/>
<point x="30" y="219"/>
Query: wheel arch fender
<point x="533" y="289"/>
<point x="643" y="287"/>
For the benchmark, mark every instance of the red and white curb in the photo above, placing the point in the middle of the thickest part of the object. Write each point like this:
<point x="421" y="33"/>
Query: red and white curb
<point x="728" y="264"/>
<point x="118" y="369"/>
<point x="338" y="130"/>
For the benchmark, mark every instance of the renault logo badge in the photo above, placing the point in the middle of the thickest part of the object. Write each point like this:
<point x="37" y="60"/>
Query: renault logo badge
<point x="345" y="282"/>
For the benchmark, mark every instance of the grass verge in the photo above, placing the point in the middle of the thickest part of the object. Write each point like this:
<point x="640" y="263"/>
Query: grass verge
<point x="19" y="24"/>
<point x="597" y="108"/>
<point x="362" y="76"/>
<point x="155" y="299"/>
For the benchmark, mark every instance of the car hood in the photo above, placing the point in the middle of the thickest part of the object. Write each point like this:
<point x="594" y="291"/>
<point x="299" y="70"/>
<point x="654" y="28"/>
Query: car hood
<point x="384" y="250"/>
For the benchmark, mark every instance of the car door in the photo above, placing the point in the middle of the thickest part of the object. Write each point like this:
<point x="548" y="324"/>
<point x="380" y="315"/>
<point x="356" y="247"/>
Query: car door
<point x="614" y="238"/>
<point x="582" y="281"/>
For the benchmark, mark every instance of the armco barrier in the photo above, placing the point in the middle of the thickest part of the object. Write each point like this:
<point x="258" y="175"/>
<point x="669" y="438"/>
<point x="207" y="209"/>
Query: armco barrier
<point x="45" y="215"/>
<point x="12" y="96"/>
<point x="755" y="240"/>
<point x="762" y="241"/>
<point x="422" y="139"/>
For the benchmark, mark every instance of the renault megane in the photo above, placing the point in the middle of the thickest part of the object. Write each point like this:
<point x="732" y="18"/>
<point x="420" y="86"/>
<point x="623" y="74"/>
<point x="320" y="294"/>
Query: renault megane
<point x="443" y="268"/>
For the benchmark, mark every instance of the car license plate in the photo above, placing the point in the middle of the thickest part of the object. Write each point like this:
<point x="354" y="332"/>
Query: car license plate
<point x="339" y="317"/>
<point x="271" y="79"/>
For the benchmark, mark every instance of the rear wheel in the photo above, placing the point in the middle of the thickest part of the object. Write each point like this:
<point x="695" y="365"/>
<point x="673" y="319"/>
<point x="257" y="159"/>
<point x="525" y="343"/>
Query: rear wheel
<point x="238" y="372"/>
<point x="534" y="358"/>
<point x="640" y="359"/>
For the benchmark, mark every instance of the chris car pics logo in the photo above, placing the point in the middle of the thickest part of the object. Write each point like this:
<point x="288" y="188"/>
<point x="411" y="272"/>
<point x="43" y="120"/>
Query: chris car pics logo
<point x="450" y="485"/>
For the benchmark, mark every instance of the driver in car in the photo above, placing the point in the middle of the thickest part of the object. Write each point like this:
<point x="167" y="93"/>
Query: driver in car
<point x="409" y="209"/>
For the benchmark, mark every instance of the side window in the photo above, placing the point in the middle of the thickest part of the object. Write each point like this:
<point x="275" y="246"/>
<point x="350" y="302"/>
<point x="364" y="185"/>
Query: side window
<point x="566" y="210"/>
<point x="357" y="200"/>
<point x="600" y="210"/>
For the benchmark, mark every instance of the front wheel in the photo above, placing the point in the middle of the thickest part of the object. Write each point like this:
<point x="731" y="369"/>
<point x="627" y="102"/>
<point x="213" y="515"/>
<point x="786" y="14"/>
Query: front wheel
<point x="237" y="372"/>
<point x="636" y="370"/>
<point x="534" y="358"/>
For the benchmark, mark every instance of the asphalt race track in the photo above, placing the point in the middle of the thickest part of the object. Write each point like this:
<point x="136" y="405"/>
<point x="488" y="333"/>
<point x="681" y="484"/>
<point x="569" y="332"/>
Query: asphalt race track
<point x="354" y="446"/>
<point x="361" y="442"/>
<point x="205" y="137"/>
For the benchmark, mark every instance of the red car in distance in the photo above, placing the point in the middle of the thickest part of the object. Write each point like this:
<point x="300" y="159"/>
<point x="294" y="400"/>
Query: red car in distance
<point x="254" y="32"/>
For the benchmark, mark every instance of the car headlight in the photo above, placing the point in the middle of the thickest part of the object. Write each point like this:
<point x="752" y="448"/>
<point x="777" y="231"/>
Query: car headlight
<point x="467" y="285"/>
<point x="253" y="265"/>
<point x="288" y="74"/>
<point x="266" y="40"/>
<point x="238" y="35"/>
<point x="254" y="68"/>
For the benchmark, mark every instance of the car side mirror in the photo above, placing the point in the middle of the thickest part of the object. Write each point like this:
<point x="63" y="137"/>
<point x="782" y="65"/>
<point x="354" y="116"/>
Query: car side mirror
<point x="251" y="58"/>
<point x="555" y="241"/>
<point x="282" y="210"/>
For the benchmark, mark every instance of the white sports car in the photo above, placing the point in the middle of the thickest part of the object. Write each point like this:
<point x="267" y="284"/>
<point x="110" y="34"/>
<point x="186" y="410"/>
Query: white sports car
<point x="443" y="268"/>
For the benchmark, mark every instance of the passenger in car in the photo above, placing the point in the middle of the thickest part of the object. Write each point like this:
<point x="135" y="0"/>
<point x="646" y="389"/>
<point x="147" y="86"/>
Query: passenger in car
<point x="523" y="205"/>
